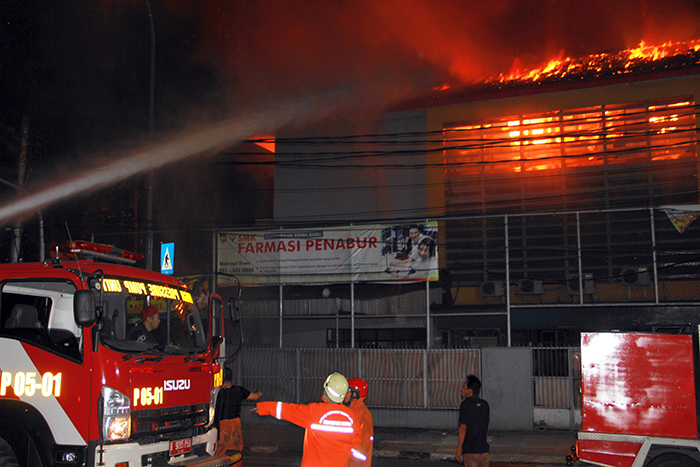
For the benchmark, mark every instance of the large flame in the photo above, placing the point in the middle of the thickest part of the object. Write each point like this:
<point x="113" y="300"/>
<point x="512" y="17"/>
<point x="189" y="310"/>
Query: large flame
<point x="642" y="58"/>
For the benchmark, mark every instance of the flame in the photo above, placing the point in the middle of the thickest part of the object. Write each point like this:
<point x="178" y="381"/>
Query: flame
<point x="642" y="58"/>
<point x="595" y="64"/>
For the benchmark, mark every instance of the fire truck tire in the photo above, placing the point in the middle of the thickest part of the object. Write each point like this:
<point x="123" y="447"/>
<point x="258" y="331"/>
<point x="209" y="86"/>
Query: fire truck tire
<point x="673" y="459"/>
<point x="20" y="443"/>
<point x="7" y="455"/>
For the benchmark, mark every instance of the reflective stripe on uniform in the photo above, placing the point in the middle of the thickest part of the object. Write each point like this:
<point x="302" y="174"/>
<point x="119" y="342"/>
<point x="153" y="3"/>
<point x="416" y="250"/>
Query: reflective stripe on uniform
<point x="279" y="411"/>
<point x="336" y="426"/>
<point x="334" y="429"/>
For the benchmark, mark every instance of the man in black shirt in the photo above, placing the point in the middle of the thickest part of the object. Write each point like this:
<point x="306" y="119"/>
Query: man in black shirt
<point x="472" y="445"/>
<point x="150" y="320"/>
<point x="228" y="415"/>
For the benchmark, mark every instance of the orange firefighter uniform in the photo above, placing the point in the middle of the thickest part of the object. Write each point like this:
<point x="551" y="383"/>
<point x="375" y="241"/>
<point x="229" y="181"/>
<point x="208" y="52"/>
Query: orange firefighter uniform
<point x="333" y="434"/>
<point x="364" y="418"/>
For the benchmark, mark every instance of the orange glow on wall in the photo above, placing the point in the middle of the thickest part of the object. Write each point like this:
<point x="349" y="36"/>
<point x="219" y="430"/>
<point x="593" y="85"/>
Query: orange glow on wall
<point x="266" y="142"/>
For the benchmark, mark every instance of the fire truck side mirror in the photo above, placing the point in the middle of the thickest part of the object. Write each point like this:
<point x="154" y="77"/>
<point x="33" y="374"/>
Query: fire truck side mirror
<point x="84" y="308"/>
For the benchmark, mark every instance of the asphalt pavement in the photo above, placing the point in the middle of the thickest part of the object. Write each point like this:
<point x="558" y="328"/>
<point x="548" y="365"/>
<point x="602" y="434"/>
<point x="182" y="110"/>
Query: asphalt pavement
<point x="536" y="447"/>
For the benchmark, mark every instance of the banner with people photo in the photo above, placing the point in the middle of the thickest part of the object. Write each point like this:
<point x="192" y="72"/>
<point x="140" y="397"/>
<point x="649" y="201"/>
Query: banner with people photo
<point x="402" y="252"/>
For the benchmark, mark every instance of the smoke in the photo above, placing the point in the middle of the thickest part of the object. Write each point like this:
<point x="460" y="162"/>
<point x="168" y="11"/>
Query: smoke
<point x="277" y="47"/>
<point x="92" y="60"/>
<point x="203" y="141"/>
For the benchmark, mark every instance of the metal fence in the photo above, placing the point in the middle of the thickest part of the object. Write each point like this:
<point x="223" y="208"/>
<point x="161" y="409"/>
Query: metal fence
<point x="556" y="377"/>
<point x="418" y="379"/>
<point x="413" y="379"/>
<point x="494" y="268"/>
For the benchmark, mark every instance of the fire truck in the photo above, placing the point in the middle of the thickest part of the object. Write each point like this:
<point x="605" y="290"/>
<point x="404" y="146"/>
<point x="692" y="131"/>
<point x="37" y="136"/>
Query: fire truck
<point x="77" y="389"/>
<point x="640" y="399"/>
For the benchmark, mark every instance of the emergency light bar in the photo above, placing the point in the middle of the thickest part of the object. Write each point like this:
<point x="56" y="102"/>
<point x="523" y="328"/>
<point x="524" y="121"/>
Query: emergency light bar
<point x="106" y="252"/>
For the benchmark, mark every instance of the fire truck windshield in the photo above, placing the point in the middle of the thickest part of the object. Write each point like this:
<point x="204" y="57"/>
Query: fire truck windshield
<point x="140" y="316"/>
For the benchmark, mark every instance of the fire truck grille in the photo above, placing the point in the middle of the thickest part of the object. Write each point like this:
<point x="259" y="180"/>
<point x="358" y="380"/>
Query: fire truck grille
<point x="167" y="420"/>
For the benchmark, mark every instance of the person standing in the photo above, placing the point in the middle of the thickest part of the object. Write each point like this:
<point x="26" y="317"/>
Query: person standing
<point x="358" y="395"/>
<point x="228" y="415"/>
<point x="333" y="434"/>
<point x="472" y="444"/>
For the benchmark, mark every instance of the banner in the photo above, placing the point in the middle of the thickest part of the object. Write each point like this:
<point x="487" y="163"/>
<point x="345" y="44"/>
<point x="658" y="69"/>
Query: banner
<point x="682" y="216"/>
<point x="404" y="252"/>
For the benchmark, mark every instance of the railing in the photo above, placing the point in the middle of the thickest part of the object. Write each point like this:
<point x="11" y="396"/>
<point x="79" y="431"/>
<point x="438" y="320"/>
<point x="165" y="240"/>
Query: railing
<point x="413" y="379"/>
<point x="418" y="379"/>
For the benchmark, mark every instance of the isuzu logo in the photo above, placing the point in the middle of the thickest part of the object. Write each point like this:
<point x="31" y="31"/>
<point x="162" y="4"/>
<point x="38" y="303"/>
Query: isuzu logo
<point x="176" y="384"/>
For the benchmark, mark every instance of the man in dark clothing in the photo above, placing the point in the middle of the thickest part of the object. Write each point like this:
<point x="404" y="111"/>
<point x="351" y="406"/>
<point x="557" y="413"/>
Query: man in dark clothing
<point x="228" y="415"/>
<point x="472" y="444"/>
<point x="150" y="320"/>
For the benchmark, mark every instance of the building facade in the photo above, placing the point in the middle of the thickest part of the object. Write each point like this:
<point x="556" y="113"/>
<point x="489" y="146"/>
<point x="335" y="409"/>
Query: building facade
<point x="564" y="205"/>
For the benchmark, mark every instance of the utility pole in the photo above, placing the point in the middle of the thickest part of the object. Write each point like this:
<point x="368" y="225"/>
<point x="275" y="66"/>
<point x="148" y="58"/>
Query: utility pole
<point x="18" y="230"/>
<point x="149" y="191"/>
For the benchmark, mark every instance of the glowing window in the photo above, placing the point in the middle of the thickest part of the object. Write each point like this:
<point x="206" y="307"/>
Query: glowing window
<point x="570" y="155"/>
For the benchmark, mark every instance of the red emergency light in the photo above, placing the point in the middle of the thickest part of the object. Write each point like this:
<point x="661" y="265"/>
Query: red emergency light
<point x="106" y="252"/>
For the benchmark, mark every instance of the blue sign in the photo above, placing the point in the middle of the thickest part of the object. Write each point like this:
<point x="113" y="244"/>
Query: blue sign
<point x="167" y="250"/>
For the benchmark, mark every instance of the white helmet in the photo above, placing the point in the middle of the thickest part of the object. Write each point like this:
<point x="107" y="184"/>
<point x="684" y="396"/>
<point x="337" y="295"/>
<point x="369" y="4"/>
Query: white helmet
<point x="335" y="387"/>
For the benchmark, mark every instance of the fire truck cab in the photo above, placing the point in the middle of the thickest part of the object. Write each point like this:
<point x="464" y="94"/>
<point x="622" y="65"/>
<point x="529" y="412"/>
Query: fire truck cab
<point x="640" y="400"/>
<point x="77" y="384"/>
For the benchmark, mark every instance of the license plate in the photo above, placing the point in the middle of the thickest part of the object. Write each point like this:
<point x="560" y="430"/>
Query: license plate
<point x="180" y="446"/>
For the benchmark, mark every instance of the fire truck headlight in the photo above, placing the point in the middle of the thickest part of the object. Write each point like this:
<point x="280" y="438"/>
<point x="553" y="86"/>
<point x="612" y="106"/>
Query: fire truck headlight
<point x="118" y="428"/>
<point x="70" y="457"/>
<point x="116" y="415"/>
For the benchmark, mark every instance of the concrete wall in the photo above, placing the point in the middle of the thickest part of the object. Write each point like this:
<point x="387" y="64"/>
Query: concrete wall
<point x="365" y="191"/>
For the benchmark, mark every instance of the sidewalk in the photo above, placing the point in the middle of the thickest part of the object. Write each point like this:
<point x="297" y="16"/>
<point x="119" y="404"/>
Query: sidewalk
<point x="540" y="447"/>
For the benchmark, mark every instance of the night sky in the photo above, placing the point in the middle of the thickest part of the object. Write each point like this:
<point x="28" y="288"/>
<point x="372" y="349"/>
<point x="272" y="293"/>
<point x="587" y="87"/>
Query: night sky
<point x="80" y="70"/>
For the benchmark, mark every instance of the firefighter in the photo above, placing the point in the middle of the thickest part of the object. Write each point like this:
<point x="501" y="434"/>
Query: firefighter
<point x="333" y="434"/>
<point x="358" y="394"/>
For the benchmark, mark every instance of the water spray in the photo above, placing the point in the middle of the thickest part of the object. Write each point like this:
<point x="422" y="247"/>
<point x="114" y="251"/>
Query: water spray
<point x="202" y="142"/>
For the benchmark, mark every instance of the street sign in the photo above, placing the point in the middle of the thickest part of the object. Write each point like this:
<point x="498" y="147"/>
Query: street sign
<point x="167" y="250"/>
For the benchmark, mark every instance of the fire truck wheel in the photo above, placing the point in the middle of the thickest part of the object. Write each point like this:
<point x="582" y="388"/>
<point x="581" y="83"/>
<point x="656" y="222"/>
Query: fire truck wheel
<point x="673" y="459"/>
<point x="7" y="455"/>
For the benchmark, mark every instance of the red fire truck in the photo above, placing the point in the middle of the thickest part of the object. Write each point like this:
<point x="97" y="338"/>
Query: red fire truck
<point x="639" y="400"/>
<point x="77" y="389"/>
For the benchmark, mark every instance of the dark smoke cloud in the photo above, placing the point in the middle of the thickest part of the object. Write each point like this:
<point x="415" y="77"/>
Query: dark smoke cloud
<point x="236" y="53"/>
<point x="80" y="69"/>
<point x="87" y="62"/>
<point x="277" y="47"/>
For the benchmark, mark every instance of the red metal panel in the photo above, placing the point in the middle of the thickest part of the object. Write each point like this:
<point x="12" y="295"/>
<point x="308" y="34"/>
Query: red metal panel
<point x="640" y="384"/>
<point x="608" y="452"/>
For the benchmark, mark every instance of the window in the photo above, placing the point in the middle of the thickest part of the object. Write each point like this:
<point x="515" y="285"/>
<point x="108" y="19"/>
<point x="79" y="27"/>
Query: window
<point x="41" y="313"/>
<point x="595" y="157"/>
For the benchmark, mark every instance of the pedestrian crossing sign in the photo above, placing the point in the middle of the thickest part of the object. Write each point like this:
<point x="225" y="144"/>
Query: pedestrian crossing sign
<point x="166" y="257"/>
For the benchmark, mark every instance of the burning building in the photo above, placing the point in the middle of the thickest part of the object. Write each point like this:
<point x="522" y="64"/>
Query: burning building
<point x="555" y="189"/>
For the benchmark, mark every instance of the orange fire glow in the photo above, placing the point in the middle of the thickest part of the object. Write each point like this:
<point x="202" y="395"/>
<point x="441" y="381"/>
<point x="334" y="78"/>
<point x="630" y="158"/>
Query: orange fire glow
<point x="616" y="134"/>
<point x="616" y="63"/>
<point x="266" y="142"/>
<point x="642" y="58"/>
